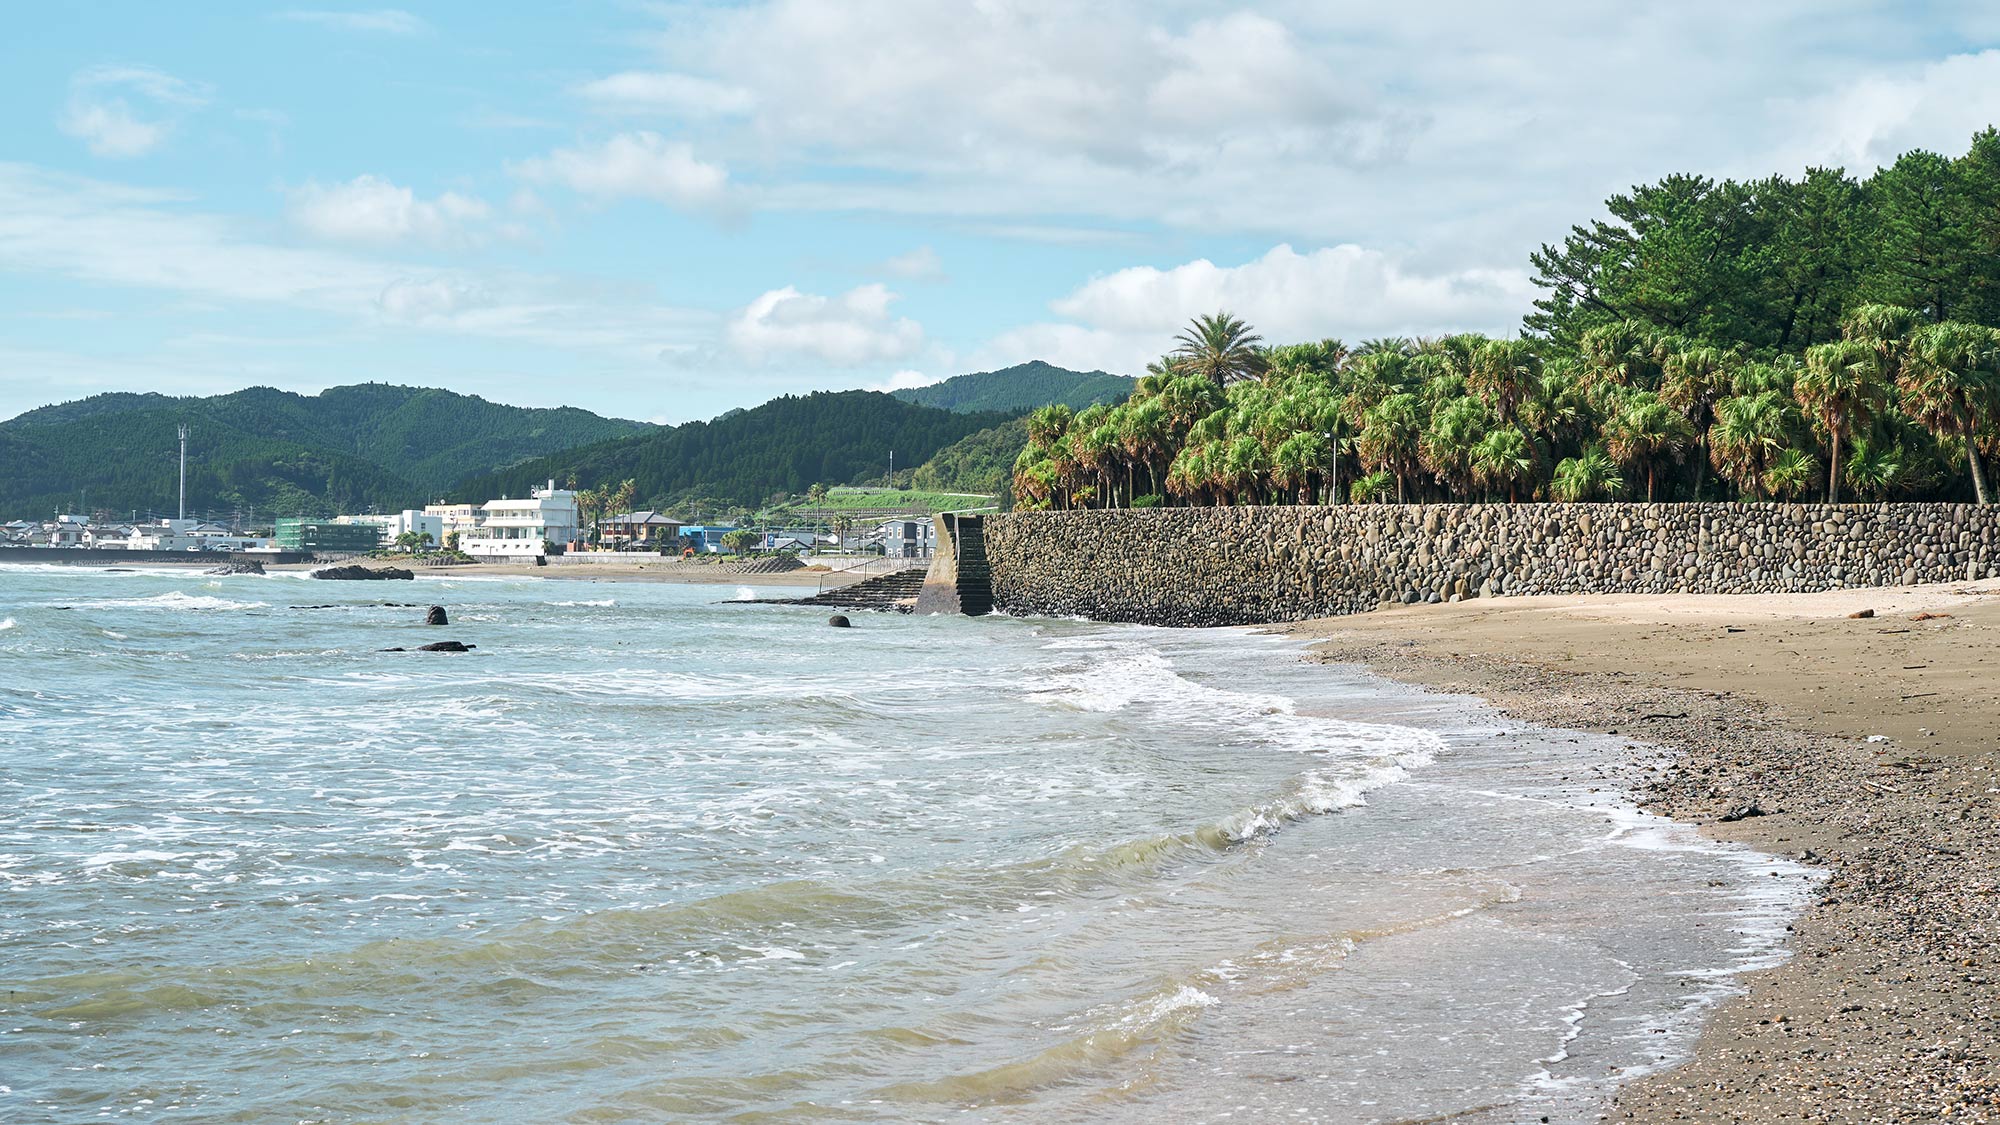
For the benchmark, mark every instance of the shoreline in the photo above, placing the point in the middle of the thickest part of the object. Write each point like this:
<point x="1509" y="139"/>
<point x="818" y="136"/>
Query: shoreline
<point x="589" y="572"/>
<point x="1887" y="1008"/>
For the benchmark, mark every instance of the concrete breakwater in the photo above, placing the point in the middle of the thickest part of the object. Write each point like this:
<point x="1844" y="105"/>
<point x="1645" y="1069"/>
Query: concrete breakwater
<point x="1255" y="565"/>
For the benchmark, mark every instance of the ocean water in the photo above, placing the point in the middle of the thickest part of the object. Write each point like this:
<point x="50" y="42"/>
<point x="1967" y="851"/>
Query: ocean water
<point x="646" y="855"/>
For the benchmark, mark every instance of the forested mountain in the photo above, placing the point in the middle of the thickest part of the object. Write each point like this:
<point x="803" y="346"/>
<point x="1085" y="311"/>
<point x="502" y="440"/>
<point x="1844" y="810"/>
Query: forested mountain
<point x="351" y="447"/>
<point x="1021" y="387"/>
<point x="786" y="445"/>
<point x="981" y="462"/>
<point x="129" y="462"/>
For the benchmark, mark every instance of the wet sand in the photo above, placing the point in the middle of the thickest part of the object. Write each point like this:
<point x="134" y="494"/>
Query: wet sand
<point x="1869" y="745"/>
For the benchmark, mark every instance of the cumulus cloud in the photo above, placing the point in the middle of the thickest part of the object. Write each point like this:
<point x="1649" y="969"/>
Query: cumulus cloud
<point x="659" y="91"/>
<point x="126" y="111"/>
<point x="904" y="380"/>
<point x="851" y="329"/>
<point x="380" y="21"/>
<point x="1121" y="320"/>
<point x="640" y="165"/>
<point x="372" y="210"/>
<point x="1875" y="118"/>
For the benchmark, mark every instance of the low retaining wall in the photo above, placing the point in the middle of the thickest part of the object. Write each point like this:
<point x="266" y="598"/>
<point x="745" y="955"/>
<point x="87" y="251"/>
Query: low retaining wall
<point x="1255" y="565"/>
<point x="111" y="556"/>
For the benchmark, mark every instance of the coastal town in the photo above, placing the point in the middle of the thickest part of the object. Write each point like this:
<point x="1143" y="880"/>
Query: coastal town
<point x="891" y="562"/>
<point x="549" y="521"/>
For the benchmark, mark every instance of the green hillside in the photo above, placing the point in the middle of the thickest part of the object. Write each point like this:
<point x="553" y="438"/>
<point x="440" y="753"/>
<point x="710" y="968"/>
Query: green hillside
<point x="980" y="462"/>
<point x="786" y="445"/>
<point x="352" y="447"/>
<point x="1021" y="388"/>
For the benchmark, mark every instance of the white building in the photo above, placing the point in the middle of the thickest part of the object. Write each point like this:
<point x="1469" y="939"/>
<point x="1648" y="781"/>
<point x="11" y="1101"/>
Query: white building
<point x="395" y="526"/>
<point x="459" y="519"/>
<point x="516" y="529"/>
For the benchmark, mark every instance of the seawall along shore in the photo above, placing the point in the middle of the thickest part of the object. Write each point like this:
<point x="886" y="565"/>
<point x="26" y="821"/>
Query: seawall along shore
<point x="1262" y="565"/>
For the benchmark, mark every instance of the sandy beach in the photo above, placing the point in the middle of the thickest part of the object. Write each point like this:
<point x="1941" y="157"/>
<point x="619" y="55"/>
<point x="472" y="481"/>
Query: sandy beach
<point x="1866" y="744"/>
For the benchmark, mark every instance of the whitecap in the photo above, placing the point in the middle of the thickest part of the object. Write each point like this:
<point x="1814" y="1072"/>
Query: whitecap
<point x="6" y="624"/>
<point x="603" y="603"/>
<point x="174" y="600"/>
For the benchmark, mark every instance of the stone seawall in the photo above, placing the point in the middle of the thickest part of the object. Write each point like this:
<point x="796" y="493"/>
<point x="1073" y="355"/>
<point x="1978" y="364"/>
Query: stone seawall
<point x="1255" y="565"/>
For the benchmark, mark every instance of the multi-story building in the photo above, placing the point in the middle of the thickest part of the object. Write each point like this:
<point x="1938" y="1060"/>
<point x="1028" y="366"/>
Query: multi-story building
<point x="545" y="521"/>
<point x="396" y="525"/>
<point x="326" y="536"/>
<point x="459" y="519"/>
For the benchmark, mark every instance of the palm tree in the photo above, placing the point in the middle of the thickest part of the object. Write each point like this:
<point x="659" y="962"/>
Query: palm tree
<point x="1144" y="432"/>
<point x="1874" y="468"/>
<point x="1591" y="475"/>
<point x="1221" y="349"/>
<point x="1299" y="462"/>
<point x="1391" y="438"/>
<point x="1841" y="389"/>
<point x="1447" y="444"/>
<point x="1504" y="373"/>
<point x="1622" y="354"/>
<point x="1373" y="488"/>
<point x="1646" y="431"/>
<point x="1504" y="457"/>
<point x="1749" y="430"/>
<point x="1950" y="384"/>
<point x="1792" y="472"/>
<point x="1692" y="380"/>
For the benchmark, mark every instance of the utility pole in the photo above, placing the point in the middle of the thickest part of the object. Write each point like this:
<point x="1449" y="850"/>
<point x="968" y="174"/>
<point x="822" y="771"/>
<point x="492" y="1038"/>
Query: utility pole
<point x="892" y="468"/>
<point x="184" y="470"/>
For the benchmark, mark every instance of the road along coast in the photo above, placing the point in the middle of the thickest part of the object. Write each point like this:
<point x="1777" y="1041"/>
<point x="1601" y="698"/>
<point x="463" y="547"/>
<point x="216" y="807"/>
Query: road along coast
<point x="1858" y="730"/>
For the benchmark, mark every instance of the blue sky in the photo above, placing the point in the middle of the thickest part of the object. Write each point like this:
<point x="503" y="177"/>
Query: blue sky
<point x="663" y="211"/>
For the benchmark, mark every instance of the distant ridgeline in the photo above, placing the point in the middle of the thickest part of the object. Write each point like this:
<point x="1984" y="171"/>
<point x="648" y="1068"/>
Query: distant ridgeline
<point x="271" y="451"/>
<point x="1020" y="388"/>
<point x="744" y="457"/>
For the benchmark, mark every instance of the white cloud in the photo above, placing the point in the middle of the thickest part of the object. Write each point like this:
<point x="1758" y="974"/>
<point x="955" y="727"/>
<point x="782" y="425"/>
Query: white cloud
<point x="1120" y="321"/>
<point x="921" y="264"/>
<point x="91" y="231"/>
<point x="642" y="165"/>
<point x="660" y="91"/>
<point x="904" y="380"/>
<point x="126" y="111"/>
<point x="372" y="210"/>
<point x="853" y="328"/>
<point x="383" y="21"/>
<point x="1869" y="122"/>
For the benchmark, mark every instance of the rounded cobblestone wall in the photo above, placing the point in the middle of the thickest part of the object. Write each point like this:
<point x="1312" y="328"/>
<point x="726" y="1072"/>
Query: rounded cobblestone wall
<point x="1253" y="565"/>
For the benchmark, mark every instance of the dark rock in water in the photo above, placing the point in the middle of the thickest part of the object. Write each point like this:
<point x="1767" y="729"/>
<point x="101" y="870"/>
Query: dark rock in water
<point x="436" y="616"/>
<point x="398" y="648"/>
<point x="253" y="566"/>
<point x="839" y="621"/>
<point x="124" y="570"/>
<point x="362" y="573"/>
<point x="446" y="646"/>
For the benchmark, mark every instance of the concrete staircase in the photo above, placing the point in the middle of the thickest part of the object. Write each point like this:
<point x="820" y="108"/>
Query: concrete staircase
<point x="975" y="580"/>
<point x="895" y="592"/>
